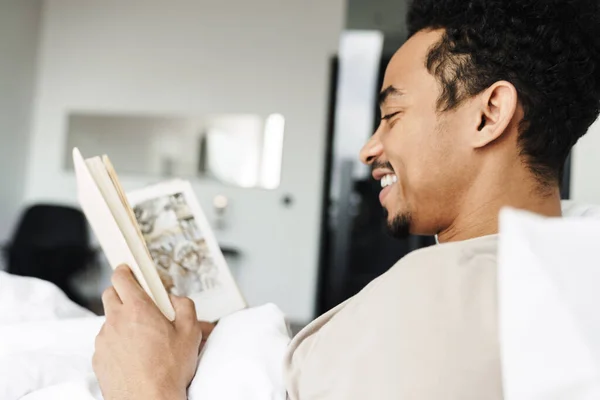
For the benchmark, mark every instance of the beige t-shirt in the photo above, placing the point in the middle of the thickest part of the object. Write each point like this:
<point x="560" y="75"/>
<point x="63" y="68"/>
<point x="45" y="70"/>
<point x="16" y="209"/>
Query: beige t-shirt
<point x="425" y="330"/>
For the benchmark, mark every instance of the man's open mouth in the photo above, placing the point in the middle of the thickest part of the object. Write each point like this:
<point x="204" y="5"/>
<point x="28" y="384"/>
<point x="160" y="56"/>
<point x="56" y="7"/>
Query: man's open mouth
<point x="388" y="180"/>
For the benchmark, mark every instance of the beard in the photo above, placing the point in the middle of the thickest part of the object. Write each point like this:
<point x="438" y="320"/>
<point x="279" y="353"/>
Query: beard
<point x="399" y="226"/>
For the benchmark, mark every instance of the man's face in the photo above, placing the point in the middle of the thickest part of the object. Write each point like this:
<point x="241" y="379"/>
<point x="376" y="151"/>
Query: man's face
<point x="422" y="152"/>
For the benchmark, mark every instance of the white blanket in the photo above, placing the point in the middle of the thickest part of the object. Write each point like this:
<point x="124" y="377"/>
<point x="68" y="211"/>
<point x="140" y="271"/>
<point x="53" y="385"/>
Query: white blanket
<point x="47" y="342"/>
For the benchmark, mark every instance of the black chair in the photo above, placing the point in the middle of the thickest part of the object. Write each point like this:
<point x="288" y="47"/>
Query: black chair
<point x="51" y="242"/>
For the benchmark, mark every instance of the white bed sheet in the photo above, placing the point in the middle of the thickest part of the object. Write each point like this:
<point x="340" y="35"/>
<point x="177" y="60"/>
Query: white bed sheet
<point x="47" y="342"/>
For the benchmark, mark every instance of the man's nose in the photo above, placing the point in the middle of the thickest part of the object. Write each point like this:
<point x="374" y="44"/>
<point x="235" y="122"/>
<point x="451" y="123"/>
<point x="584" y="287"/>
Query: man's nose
<point x="371" y="150"/>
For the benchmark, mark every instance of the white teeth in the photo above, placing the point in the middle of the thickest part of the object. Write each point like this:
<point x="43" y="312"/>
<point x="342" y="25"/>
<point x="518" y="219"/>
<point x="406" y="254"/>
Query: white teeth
<point x="388" y="180"/>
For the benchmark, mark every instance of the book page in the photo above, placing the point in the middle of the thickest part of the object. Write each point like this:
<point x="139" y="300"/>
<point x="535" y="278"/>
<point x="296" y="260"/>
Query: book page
<point x="185" y="250"/>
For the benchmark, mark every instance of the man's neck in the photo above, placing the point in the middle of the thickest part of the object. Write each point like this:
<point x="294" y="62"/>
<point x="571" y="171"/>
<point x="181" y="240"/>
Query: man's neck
<point x="478" y="215"/>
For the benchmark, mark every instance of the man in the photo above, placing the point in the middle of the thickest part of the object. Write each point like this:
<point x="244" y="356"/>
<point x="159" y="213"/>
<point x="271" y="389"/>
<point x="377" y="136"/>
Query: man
<point x="480" y="108"/>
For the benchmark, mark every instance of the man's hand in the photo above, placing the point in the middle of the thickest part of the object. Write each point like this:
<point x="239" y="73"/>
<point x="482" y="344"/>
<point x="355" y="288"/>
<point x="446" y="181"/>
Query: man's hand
<point x="139" y="353"/>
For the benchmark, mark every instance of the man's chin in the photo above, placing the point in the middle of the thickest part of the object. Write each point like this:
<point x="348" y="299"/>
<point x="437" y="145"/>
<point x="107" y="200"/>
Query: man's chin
<point x="399" y="225"/>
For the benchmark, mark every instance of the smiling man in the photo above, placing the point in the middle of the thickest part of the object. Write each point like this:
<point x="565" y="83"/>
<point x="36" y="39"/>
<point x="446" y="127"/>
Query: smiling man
<point x="480" y="108"/>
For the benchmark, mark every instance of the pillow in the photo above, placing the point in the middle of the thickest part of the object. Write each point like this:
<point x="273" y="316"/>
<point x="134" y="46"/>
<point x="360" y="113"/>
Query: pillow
<point x="549" y="304"/>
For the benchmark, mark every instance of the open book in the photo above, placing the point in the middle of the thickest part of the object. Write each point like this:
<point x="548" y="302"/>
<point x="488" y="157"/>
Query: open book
<point x="162" y="234"/>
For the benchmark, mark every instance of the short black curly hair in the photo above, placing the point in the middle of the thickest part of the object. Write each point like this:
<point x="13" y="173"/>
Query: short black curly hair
<point x="548" y="49"/>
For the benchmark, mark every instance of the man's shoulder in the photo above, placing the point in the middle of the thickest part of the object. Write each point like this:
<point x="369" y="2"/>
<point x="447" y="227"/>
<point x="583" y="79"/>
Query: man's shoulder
<point x="443" y="265"/>
<point x="481" y="250"/>
<point x="435" y="301"/>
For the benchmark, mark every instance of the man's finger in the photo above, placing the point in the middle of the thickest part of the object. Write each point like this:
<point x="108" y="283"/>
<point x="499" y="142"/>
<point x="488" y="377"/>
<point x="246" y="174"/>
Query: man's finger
<point x="207" y="328"/>
<point x="126" y="286"/>
<point x="185" y="312"/>
<point x="110" y="300"/>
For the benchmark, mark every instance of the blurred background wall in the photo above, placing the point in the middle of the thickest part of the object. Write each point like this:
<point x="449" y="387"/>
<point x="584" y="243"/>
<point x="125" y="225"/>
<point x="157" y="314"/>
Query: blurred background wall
<point x="19" y="38"/>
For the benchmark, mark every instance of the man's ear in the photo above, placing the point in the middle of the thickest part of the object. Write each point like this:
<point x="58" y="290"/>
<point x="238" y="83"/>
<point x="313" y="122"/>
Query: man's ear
<point x="498" y="107"/>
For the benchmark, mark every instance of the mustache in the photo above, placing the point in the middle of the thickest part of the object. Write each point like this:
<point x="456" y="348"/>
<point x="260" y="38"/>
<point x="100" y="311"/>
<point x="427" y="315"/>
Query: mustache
<point x="381" y="165"/>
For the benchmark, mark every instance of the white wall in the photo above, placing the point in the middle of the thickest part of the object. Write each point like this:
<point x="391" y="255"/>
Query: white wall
<point x="585" y="184"/>
<point x="19" y="22"/>
<point x="187" y="57"/>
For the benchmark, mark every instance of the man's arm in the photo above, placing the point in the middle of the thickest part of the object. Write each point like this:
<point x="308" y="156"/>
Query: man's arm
<point x="139" y="353"/>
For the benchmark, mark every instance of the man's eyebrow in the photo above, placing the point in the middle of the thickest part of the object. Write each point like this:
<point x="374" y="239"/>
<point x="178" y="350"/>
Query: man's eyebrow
<point x="388" y="92"/>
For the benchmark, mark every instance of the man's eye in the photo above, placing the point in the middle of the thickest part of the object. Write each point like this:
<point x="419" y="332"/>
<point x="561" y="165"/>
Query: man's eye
<point x="387" y="117"/>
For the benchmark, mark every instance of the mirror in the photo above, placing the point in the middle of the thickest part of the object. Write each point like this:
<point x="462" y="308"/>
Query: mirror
<point x="243" y="150"/>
